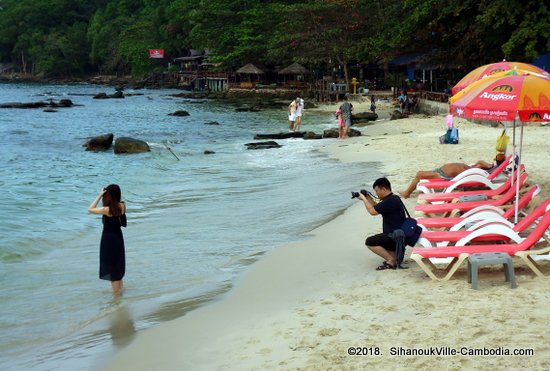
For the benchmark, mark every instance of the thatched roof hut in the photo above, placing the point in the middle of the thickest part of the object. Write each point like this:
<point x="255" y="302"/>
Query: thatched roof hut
<point x="294" y="69"/>
<point x="250" y="69"/>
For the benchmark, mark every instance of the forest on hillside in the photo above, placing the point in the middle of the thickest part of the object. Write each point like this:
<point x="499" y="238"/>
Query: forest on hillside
<point x="63" y="38"/>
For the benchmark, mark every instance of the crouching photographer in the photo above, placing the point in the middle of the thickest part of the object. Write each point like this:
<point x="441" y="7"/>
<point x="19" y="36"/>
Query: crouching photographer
<point x="390" y="244"/>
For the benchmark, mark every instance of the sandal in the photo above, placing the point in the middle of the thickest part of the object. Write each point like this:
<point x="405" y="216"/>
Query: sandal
<point x="385" y="266"/>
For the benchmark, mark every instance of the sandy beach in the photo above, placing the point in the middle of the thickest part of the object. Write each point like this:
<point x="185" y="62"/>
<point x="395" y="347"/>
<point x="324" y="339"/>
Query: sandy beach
<point x="304" y="305"/>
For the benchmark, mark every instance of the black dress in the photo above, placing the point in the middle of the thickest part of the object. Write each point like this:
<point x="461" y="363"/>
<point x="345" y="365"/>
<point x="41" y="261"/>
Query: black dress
<point x="112" y="260"/>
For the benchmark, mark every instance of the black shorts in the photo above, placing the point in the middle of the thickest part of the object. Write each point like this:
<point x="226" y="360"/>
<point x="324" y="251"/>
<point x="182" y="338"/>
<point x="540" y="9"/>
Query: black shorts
<point x="381" y="239"/>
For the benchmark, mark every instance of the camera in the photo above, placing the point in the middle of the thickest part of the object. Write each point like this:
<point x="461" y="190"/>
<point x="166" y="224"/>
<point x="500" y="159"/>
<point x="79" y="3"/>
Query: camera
<point x="363" y="192"/>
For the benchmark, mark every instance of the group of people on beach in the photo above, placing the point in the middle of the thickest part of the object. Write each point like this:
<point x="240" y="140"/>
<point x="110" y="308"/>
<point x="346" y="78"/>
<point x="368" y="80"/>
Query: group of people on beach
<point x="407" y="103"/>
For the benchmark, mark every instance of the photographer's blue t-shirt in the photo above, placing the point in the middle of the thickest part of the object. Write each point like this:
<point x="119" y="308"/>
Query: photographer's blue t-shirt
<point x="393" y="213"/>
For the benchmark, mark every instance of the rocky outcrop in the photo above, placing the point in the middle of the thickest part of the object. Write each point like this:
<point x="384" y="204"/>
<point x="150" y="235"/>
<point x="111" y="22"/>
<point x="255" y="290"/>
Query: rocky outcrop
<point x="396" y="115"/>
<point x="180" y="113"/>
<point x="116" y="95"/>
<point x="333" y="133"/>
<point x="130" y="145"/>
<point x="281" y="135"/>
<point x="364" y="116"/>
<point x="100" y="143"/>
<point x="312" y="135"/>
<point x="263" y="145"/>
<point x="51" y="104"/>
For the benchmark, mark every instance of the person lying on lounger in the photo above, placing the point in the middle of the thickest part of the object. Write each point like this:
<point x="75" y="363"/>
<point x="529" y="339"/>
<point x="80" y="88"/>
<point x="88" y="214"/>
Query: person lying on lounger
<point x="449" y="171"/>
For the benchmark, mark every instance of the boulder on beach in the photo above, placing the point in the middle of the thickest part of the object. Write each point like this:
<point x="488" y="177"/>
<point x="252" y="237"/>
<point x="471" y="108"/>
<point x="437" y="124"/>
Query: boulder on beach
<point x="263" y="145"/>
<point x="364" y="116"/>
<point x="99" y="143"/>
<point x="131" y="145"/>
<point x="180" y="113"/>
<point x="397" y="115"/>
<point x="333" y="133"/>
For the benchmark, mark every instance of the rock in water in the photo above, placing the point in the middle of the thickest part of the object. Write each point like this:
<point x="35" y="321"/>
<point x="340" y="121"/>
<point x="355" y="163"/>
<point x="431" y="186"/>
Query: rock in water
<point x="100" y="143"/>
<point x="130" y="145"/>
<point x="179" y="113"/>
<point x="296" y="134"/>
<point x="312" y="135"/>
<point x="263" y="145"/>
<point x="65" y="103"/>
<point x="101" y="96"/>
<point x="117" y="95"/>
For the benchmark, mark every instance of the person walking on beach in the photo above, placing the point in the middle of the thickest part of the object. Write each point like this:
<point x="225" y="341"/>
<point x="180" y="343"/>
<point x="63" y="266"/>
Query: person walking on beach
<point x="291" y="115"/>
<point x="299" y="113"/>
<point x="346" y="108"/>
<point x="372" y="104"/>
<point x="393" y="215"/>
<point x="112" y="260"/>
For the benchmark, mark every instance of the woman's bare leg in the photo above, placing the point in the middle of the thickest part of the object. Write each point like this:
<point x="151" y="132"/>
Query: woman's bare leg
<point x="117" y="287"/>
<point x="420" y="175"/>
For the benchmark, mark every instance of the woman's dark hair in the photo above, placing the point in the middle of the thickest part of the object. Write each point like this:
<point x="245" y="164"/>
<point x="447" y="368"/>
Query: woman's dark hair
<point x="382" y="183"/>
<point x="499" y="158"/>
<point x="111" y="199"/>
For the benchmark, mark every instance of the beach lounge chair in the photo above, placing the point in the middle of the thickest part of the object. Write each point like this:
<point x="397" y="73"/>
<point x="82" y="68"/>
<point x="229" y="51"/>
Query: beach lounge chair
<point x="479" y="213"/>
<point x="448" y="196"/>
<point x="459" y="253"/>
<point x="491" y="229"/>
<point x="468" y="205"/>
<point x="468" y="178"/>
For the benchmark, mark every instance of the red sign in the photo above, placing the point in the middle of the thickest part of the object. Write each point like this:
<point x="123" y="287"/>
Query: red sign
<point x="156" y="53"/>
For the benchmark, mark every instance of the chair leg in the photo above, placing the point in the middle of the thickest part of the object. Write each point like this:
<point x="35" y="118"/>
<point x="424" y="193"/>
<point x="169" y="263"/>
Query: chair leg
<point x="530" y="263"/>
<point x="455" y="265"/>
<point x="420" y="261"/>
<point x="473" y="276"/>
<point x="510" y="275"/>
<point x="505" y="267"/>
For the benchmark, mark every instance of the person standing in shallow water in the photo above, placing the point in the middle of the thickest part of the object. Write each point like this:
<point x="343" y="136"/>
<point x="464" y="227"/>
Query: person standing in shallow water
<point x="346" y="108"/>
<point x="112" y="260"/>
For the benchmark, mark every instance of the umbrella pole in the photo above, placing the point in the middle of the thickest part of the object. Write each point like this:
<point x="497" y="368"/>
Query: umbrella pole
<point x="517" y="179"/>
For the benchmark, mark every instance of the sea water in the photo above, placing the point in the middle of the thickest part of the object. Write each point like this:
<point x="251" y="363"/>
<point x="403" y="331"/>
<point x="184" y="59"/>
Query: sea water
<point x="195" y="221"/>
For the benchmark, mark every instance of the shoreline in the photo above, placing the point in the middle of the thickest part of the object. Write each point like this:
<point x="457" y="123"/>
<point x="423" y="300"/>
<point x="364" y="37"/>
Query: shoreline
<point x="302" y="305"/>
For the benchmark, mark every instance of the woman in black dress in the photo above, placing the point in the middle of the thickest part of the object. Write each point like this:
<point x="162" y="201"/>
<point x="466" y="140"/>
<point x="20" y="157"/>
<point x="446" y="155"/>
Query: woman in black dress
<point x="112" y="262"/>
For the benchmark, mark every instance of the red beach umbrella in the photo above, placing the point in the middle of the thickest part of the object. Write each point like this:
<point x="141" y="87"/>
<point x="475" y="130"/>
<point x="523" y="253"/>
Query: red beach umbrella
<point x="493" y="68"/>
<point x="504" y="96"/>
